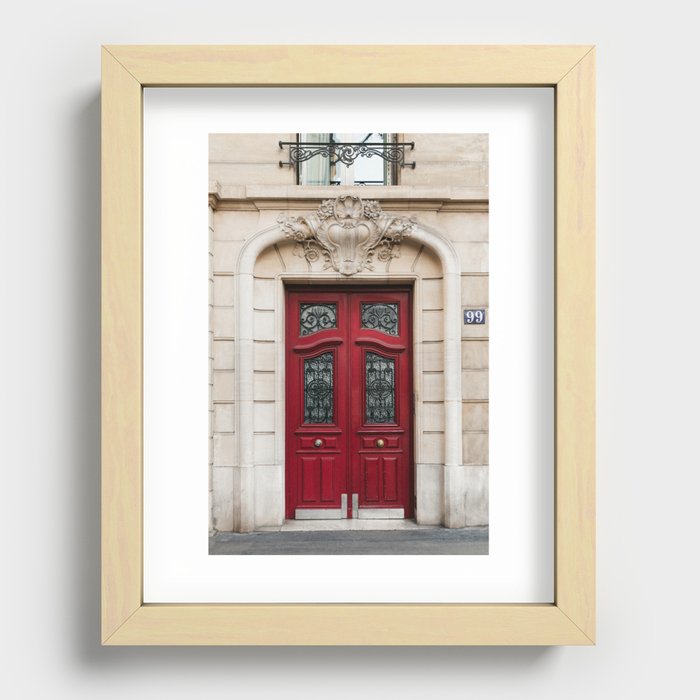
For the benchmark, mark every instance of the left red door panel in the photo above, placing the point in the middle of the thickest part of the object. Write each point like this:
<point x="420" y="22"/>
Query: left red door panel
<point x="316" y="400"/>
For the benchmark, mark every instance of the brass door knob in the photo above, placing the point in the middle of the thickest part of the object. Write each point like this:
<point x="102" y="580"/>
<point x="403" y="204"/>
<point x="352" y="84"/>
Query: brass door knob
<point x="318" y="442"/>
<point x="379" y="443"/>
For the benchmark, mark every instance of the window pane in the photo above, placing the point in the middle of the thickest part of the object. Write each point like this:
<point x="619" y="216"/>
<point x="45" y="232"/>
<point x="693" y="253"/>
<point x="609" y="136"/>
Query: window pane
<point x="380" y="388"/>
<point x="356" y="159"/>
<point x="381" y="317"/>
<point x="317" y="170"/>
<point x="316" y="317"/>
<point x="318" y="389"/>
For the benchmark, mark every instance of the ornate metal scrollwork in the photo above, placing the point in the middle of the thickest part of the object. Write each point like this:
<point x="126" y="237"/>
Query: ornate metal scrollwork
<point x="380" y="389"/>
<point x="383" y="317"/>
<point x="347" y="152"/>
<point x="347" y="231"/>
<point x="318" y="389"/>
<point x="316" y="317"/>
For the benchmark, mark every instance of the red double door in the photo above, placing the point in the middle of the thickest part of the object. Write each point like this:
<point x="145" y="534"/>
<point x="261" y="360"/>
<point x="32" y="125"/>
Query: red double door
<point x="349" y="403"/>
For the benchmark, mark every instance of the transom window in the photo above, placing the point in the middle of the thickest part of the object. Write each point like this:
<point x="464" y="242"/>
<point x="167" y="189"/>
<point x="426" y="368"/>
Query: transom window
<point x="316" y="317"/>
<point x="347" y="159"/>
<point x="382" y="317"/>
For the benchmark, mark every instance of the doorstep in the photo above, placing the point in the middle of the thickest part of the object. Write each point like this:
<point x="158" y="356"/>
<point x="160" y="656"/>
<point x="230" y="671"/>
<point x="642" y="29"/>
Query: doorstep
<point x="346" y="525"/>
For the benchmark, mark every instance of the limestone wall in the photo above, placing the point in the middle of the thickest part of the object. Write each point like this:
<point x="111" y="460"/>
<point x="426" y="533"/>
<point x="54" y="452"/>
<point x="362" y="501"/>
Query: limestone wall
<point x="448" y="195"/>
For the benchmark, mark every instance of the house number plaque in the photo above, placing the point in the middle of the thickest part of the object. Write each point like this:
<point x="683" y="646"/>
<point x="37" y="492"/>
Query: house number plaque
<point x="474" y="317"/>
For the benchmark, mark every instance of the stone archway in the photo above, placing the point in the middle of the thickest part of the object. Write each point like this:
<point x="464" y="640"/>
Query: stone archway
<point x="383" y="231"/>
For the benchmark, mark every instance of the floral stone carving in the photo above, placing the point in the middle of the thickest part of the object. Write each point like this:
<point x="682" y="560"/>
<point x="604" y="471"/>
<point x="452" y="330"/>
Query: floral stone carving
<point x="347" y="232"/>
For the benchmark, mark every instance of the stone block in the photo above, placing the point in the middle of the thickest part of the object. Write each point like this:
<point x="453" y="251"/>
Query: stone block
<point x="264" y="416"/>
<point x="432" y="325"/>
<point x="235" y="225"/>
<point x="432" y="356"/>
<point x="224" y="450"/>
<point x="264" y="386"/>
<point x="466" y="496"/>
<point x="433" y="386"/>
<point x="264" y="448"/>
<point x="475" y="448"/>
<point x="222" y="498"/>
<point x="475" y="290"/>
<point x="223" y="322"/>
<point x="264" y="294"/>
<point x="224" y="418"/>
<point x="224" y="354"/>
<point x="431" y="448"/>
<point x="475" y="354"/>
<point x="247" y="148"/>
<point x="224" y="386"/>
<point x="448" y="147"/>
<point x="229" y="174"/>
<point x="243" y="499"/>
<point x="432" y="416"/>
<point x="476" y="487"/>
<point x="475" y="416"/>
<point x="455" y="503"/>
<point x="431" y="295"/>
<point x="264" y="325"/>
<point x="225" y="256"/>
<point x="269" y="495"/>
<point x="464" y="227"/>
<point x="475" y="384"/>
<point x="264" y="357"/>
<point x="453" y="173"/>
<point x="474" y="257"/>
<point x="224" y="286"/>
<point x="429" y="494"/>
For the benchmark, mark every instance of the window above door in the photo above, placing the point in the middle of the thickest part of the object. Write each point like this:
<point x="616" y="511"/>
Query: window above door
<point x="347" y="159"/>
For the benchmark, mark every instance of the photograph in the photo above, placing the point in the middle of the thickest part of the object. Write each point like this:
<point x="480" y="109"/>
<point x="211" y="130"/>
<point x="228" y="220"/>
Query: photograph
<point x="348" y="343"/>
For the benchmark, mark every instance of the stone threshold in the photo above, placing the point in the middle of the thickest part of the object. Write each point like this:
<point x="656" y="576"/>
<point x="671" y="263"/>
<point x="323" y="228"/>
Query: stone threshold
<point x="347" y="525"/>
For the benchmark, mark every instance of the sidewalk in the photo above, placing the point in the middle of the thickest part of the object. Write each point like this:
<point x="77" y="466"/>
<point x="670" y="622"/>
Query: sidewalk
<point x="413" y="540"/>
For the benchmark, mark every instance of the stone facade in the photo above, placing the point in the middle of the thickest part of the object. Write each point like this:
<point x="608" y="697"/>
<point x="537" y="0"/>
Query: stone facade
<point x="445" y="259"/>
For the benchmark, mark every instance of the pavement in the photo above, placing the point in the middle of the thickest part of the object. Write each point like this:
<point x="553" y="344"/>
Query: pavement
<point x="415" y="540"/>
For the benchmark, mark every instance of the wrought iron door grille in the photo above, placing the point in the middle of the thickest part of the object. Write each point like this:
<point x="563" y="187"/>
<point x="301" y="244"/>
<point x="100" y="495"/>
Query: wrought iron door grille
<point x="380" y="388"/>
<point x="318" y="389"/>
<point x="382" y="317"/>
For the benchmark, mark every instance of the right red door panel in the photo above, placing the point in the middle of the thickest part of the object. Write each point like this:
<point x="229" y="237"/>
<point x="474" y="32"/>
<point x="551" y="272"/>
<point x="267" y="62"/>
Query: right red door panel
<point x="381" y="399"/>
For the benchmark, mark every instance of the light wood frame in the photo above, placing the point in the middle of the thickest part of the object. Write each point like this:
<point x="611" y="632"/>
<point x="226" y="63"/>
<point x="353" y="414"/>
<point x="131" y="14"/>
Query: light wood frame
<point x="126" y="620"/>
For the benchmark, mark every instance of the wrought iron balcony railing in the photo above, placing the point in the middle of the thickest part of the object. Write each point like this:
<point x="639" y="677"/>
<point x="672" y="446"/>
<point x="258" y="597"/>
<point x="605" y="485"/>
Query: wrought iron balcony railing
<point x="347" y="152"/>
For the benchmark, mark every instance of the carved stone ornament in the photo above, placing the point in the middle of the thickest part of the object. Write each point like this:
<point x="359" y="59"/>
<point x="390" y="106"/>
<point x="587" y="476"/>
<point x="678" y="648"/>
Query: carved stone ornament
<point x="347" y="232"/>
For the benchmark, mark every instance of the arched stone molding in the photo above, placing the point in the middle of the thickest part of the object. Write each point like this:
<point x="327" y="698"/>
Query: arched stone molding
<point x="244" y="478"/>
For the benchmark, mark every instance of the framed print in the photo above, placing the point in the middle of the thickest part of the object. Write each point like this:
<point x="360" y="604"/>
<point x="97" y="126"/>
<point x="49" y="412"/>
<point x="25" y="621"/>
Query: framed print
<point x="497" y="239"/>
<point x="329" y="331"/>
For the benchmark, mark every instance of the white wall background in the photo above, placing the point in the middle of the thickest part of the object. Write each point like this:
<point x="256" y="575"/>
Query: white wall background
<point x="649" y="248"/>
